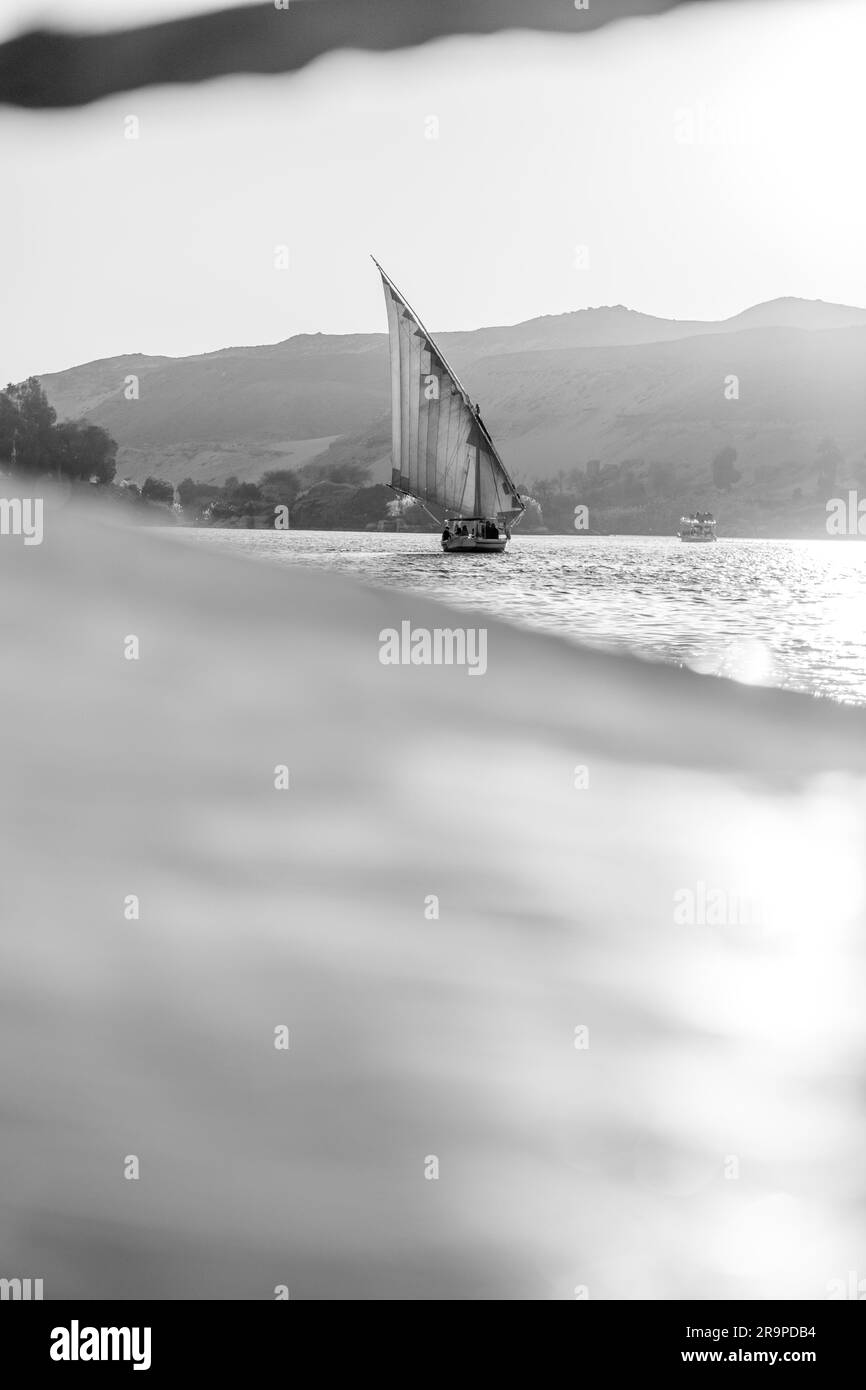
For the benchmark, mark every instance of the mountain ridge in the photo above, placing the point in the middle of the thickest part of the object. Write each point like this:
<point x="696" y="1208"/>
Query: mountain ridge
<point x="556" y="391"/>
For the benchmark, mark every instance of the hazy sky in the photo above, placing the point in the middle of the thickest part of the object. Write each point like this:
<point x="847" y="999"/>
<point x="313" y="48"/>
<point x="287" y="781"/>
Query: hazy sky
<point x="707" y="160"/>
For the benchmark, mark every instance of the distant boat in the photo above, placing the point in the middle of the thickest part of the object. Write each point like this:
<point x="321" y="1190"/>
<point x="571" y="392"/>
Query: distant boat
<point x="442" y="453"/>
<point x="698" y="528"/>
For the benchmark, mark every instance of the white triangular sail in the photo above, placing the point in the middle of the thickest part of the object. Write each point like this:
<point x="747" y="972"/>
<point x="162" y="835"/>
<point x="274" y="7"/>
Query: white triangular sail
<point x="441" y="450"/>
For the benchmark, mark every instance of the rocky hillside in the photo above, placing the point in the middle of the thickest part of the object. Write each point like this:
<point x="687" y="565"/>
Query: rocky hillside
<point x="609" y="384"/>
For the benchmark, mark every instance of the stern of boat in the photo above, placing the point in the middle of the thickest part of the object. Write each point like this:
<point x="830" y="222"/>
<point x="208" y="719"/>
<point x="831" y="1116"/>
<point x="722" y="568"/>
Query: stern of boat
<point x="474" y="545"/>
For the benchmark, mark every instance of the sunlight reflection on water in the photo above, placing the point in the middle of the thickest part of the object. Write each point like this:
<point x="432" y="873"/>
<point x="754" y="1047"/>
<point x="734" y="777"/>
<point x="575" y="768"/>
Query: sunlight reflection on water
<point x="784" y="613"/>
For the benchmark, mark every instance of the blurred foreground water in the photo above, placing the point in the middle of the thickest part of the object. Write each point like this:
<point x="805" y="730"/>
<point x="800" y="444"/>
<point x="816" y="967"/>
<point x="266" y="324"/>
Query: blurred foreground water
<point x="709" y="1139"/>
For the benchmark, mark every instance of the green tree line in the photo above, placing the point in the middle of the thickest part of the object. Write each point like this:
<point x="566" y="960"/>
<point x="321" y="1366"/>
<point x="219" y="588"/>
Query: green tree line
<point x="32" y="440"/>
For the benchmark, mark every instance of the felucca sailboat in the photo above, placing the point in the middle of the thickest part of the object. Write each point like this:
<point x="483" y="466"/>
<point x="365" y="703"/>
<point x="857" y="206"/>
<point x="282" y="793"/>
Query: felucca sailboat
<point x="441" y="450"/>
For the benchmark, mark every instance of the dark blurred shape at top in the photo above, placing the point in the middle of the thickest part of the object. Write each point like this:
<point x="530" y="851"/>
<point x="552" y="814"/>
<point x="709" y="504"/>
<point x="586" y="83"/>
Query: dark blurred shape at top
<point x="47" y="69"/>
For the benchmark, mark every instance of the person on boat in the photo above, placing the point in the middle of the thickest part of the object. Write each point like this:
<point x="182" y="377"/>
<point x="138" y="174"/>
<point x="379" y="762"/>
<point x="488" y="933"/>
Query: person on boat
<point x="446" y="534"/>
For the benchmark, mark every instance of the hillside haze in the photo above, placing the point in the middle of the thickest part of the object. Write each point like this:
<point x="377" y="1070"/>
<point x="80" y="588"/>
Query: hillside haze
<point x="607" y="384"/>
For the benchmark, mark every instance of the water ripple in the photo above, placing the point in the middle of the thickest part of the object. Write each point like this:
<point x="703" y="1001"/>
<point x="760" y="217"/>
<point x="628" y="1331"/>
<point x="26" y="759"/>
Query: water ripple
<point x="784" y="613"/>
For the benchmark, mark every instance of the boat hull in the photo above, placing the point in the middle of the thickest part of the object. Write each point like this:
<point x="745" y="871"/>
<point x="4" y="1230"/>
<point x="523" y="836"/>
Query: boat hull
<point x="474" y="545"/>
<point x="698" y="540"/>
